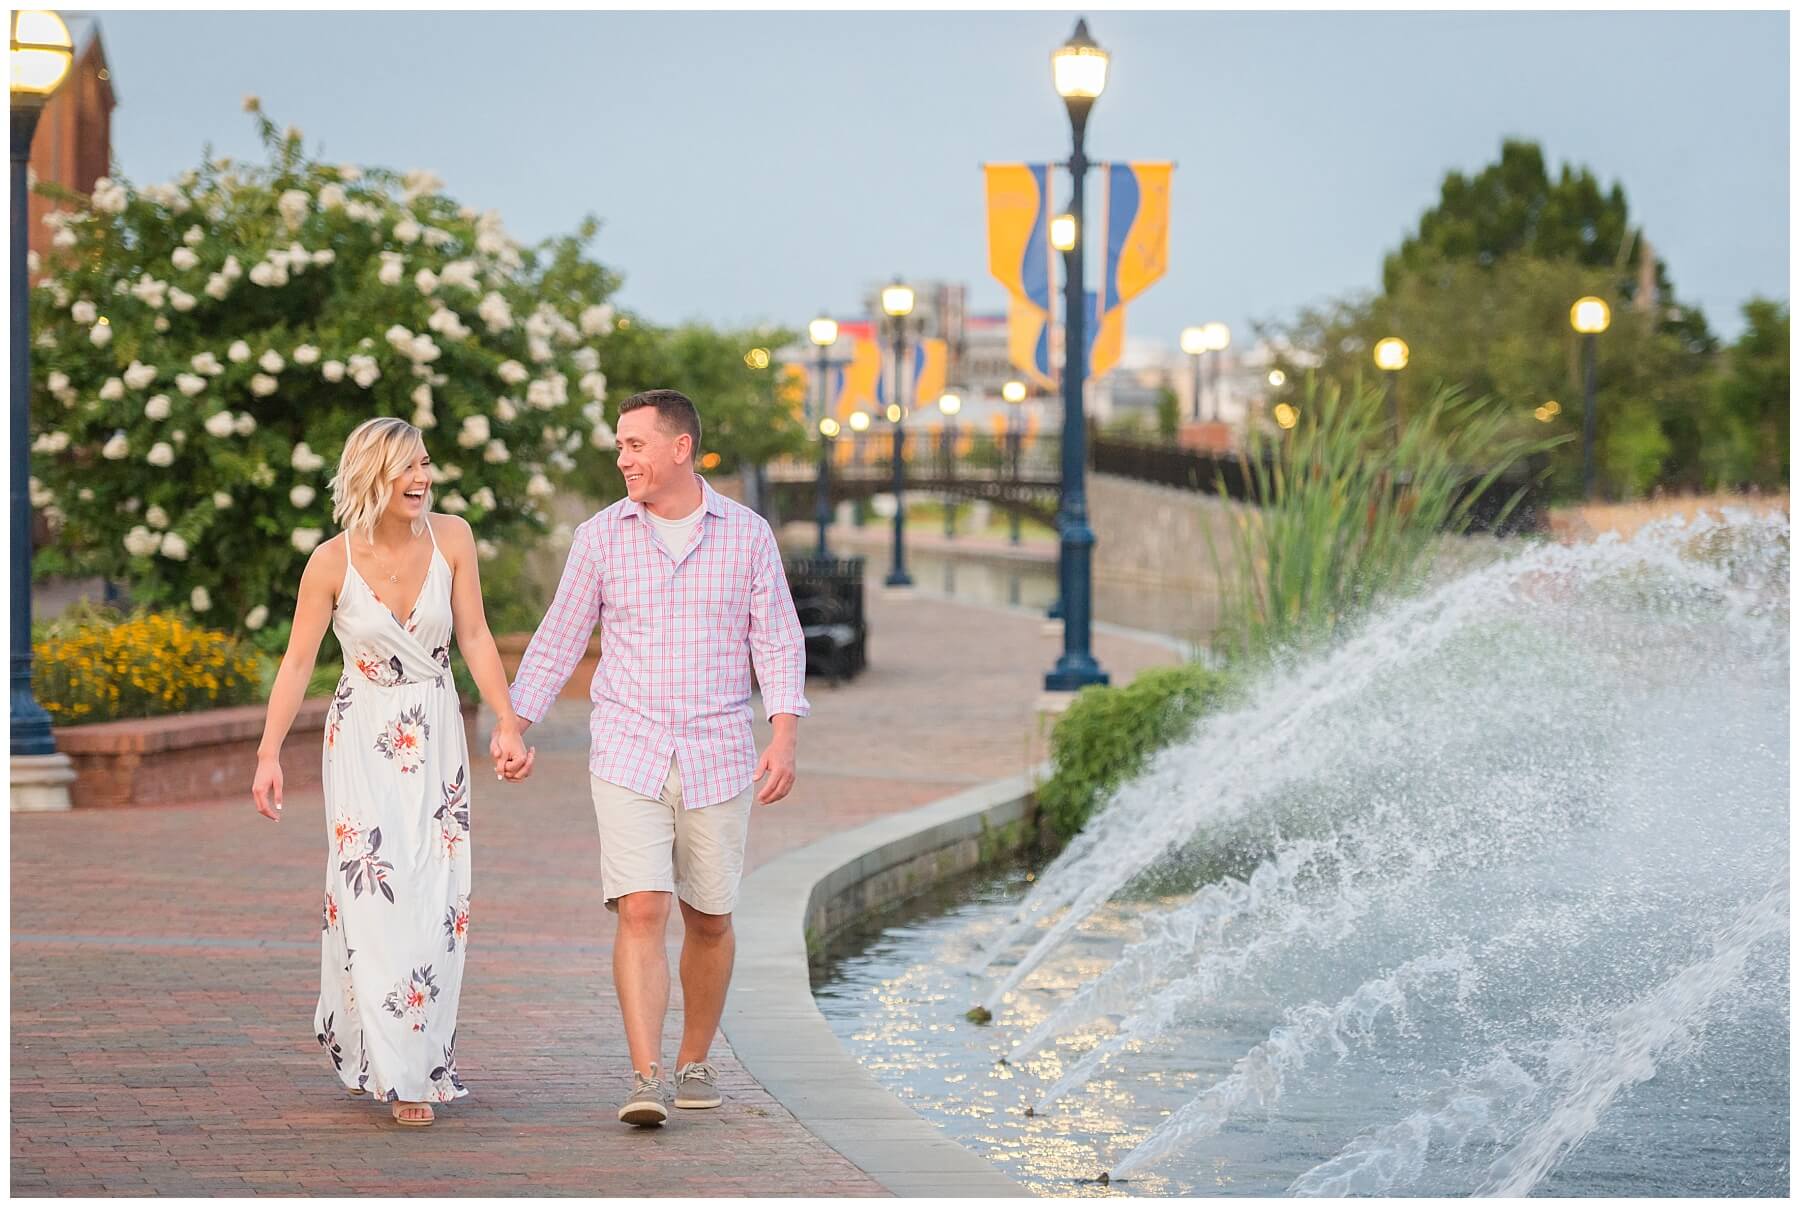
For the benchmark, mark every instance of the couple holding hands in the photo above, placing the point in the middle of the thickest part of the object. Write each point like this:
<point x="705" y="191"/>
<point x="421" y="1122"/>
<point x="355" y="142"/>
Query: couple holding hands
<point x="689" y="591"/>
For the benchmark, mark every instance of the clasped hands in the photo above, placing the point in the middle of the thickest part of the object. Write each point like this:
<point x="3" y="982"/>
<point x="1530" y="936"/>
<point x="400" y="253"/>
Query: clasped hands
<point x="512" y="758"/>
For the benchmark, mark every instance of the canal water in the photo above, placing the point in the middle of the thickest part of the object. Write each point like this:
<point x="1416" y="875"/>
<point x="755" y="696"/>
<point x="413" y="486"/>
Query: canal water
<point x="1030" y="583"/>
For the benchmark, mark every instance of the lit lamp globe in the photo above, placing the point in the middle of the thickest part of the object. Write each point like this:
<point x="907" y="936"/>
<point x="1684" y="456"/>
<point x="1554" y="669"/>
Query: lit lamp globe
<point x="859" y="421"/>
<point x="1013" y="391"/>
<point x="1063" y="232"/>
<point x="1193" y="341"/>
<point x="757" y="358"/>
<point x="897" y="300"/>
<point x="1277" y="378"/>
<point x="1590" y="316"/>
<point x="824" y="332"/>
<point x="41" y="54"/>
<point x="1286" y="416"/>
<point x="1391" y="354"/>
<point x="1079" y="66"/>
<point x="950" y="404"/>
<point x="895" y="413"/>
<point x="829" y="428"/>
<point x="1218" y="336"/>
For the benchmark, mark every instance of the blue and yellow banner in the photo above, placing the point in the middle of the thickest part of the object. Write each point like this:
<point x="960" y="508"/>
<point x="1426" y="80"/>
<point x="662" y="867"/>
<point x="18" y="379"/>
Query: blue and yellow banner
<point x="1105" y="336"/>
<point x="930" y="363"/>
<point x="926" y="362"/>
<point x="1021" y="258"/>
<point x="1019" y="249"/>
<point x="790" y="389"/>
<point x="1137" y="229"/>
<point x="856" y="380"/>
<point x="1028" y="342"/>
<point x="1133" y="255"/>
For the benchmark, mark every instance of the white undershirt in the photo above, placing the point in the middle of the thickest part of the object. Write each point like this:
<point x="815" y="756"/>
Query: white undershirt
<point x="676" y="535"/>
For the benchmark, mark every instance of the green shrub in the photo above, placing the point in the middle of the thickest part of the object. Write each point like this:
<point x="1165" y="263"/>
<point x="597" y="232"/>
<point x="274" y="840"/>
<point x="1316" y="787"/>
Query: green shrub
<point x="1109" y="734"/>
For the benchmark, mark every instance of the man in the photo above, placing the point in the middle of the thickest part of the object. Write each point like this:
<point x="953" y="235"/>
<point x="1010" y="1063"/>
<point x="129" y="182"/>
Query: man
<point x="684" y="584"/>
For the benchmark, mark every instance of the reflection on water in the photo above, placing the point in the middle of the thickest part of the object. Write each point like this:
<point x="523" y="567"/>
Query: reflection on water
<point x="896" y="998"/>
<point x="983" y="578"/>
<point x="1713" y="1124"/>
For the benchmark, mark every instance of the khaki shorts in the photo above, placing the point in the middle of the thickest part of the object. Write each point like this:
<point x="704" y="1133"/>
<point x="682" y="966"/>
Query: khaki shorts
<point x="656" y="843"/>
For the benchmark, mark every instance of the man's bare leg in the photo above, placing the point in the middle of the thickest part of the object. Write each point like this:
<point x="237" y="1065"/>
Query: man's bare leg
<point x="641" y="973"/>
<point x="708" y="950"/>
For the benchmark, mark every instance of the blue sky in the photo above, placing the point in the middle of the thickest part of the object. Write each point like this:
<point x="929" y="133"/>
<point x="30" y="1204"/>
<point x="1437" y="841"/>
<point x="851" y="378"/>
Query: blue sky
<point x="752" y="167"/>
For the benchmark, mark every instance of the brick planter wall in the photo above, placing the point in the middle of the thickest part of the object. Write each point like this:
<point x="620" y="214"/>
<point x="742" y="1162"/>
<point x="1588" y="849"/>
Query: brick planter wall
<point x="190" y="757"/>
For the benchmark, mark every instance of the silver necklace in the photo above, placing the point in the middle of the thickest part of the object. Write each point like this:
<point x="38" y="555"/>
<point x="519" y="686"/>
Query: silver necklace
<point x="394" y="575"/>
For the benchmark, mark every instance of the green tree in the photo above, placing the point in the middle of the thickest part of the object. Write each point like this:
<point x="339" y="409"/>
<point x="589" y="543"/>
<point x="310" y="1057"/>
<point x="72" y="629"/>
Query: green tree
<point x="1747" y="430"/>
<point x="1481" y="293"/>
<point x="1512" y="207"/>
<point x="1168" y="413"/>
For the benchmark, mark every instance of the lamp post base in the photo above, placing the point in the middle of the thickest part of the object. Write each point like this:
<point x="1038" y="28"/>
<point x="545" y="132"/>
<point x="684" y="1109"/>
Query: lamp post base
<point x="898" y="588"/>
<point x="1073" y="673"/>
<point x="40" y="783"/>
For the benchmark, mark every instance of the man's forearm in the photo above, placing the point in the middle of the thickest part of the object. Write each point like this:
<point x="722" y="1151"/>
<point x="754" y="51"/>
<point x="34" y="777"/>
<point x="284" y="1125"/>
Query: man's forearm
<point x="786" y="727"/>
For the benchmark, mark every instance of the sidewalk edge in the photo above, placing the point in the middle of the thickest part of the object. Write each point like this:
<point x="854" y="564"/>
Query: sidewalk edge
<point x="777" y="1031"/>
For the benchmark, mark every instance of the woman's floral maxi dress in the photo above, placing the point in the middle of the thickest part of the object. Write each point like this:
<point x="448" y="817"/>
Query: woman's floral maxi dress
<point x="396" y="912"/>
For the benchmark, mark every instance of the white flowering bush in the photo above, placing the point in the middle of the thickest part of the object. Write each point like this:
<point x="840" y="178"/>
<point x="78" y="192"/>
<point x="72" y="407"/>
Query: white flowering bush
<point x="203" y="347"/>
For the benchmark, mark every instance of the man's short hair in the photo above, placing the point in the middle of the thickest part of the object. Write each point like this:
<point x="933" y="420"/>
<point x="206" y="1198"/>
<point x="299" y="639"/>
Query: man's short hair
<point x="675" y="412"/>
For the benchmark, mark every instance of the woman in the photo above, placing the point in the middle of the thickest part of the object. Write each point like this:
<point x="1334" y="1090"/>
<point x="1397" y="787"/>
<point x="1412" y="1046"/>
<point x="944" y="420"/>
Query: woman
<point x="393" y="586"/>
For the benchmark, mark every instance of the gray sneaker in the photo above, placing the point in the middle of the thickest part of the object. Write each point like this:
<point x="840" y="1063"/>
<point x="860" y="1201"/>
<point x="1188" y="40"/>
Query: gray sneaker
<point x="645" y="1106"/>
<point x="697" y="1085"/>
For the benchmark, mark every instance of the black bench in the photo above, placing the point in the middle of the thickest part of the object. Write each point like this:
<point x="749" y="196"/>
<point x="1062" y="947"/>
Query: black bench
<point x="828" y="597"/>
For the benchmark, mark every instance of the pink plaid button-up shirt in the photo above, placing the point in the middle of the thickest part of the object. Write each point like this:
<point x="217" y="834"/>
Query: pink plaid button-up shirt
<point x="677" y="638"/>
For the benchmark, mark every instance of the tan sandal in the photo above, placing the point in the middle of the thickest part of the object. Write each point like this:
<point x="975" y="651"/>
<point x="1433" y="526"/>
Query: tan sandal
<point x="414" y="1120"/>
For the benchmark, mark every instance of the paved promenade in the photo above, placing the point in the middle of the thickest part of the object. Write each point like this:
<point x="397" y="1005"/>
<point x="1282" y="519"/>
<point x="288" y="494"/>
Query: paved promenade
<point x="165" y="963"/>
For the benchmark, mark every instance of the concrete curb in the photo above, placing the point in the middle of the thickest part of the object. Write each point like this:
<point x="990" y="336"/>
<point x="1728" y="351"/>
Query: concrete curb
<point x="775" y="1028"/>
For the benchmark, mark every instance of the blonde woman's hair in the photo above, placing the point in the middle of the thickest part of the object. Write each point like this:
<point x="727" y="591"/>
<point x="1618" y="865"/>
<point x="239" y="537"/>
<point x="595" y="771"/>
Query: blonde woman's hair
<point x="374" y="456"/>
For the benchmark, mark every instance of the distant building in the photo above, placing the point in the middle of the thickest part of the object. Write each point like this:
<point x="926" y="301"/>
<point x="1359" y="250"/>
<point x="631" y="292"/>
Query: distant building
<point x="979" y="364"/>
<point x="73" y="146"/>
<point x="939" y="313"/>
<point x="1238" y="393"/>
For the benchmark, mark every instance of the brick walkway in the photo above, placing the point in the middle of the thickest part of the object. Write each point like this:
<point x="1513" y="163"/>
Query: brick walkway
<point x="165" y="963"/>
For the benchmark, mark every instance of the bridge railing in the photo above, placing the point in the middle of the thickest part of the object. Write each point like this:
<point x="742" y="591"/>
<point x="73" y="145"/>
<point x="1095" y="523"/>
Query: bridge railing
<point x="939" y="460"/>
<point x="950" y="453"/>
<point x="1494" y="510"/>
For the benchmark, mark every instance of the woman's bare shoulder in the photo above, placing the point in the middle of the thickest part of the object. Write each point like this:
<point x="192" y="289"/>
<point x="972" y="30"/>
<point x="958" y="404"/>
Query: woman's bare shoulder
<point x="327" y="561"/>
<point x="451" y="531"/>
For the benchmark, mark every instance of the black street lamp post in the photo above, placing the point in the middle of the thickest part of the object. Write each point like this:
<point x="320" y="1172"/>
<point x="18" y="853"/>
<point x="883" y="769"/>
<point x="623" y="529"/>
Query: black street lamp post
<point x="824" y="333"/>
<point x="897" y="302"/>
<point x="1193" y="342"/>
<point x="1013" y="393"/>
<point x="859" y="426"/>
<point x="1391" y="356"/>
<point x="1079" y="68"/>
<point x="1589" y="316"/>
<point x="949" y="406"/>
<point x="40" y="54"/>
